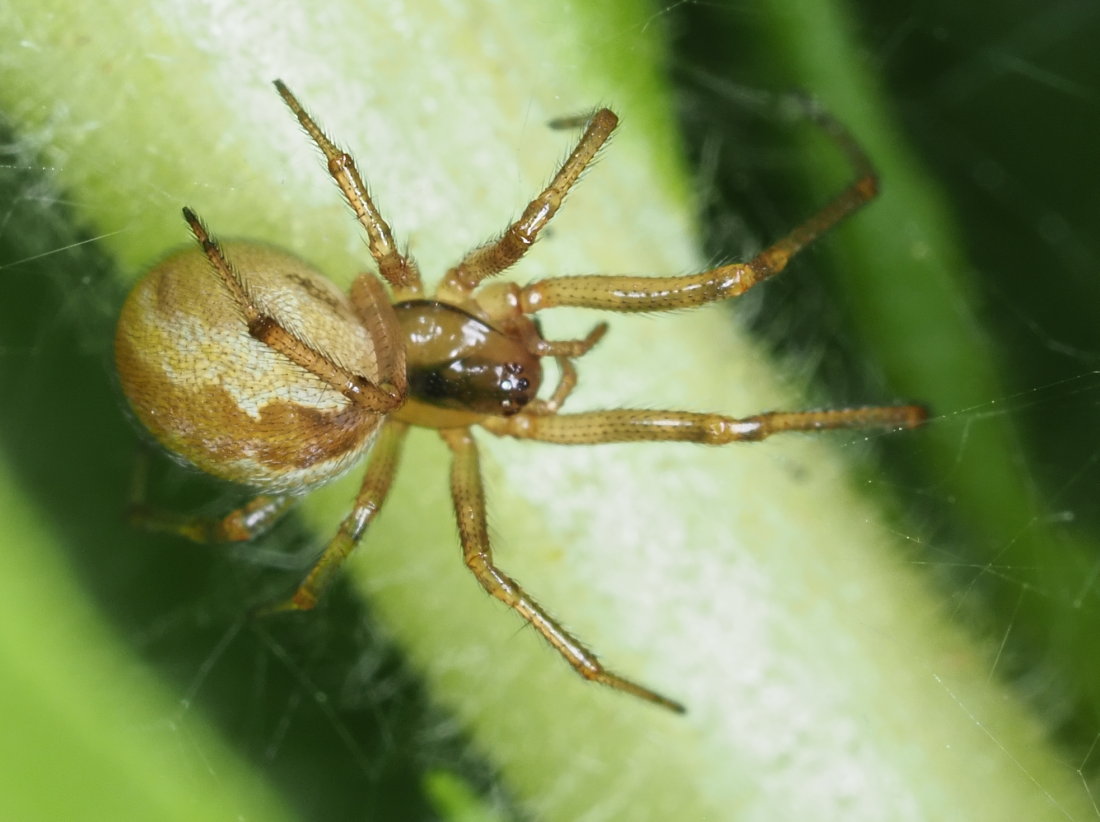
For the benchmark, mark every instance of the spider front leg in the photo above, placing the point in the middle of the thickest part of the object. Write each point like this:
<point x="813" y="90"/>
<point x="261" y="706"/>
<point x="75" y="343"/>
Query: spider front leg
<point x="647" y="294"/>
<point x="623" y="425"/>
<point x="469" y="502"/>
<point x="384" y="458"/>
<point x="494" y="257"/>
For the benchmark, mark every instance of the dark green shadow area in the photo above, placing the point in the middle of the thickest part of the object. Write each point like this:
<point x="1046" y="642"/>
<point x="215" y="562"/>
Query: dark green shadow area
<point x="321" y="704"/>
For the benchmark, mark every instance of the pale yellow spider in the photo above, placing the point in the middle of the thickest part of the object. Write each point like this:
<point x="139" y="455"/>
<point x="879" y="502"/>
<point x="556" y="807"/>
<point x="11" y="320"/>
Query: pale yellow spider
<point x="251" y="365"/>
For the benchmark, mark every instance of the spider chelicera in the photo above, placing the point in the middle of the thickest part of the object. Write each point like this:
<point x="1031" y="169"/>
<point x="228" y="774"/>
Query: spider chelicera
<point x="246" y="362"/>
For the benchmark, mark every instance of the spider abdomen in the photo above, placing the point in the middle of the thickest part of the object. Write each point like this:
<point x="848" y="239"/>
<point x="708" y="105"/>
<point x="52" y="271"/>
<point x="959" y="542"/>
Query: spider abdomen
<point x="460" y="368"/>
<point x="222" y="400"/>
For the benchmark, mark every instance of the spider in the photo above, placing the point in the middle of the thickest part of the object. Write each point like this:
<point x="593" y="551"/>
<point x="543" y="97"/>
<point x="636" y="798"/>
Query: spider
<point x="245" y="362"/>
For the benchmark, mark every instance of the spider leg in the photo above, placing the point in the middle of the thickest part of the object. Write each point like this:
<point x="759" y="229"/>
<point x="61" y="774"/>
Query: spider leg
<point x="644" y="294"/>
<point x="563" y="352"/>
<point x="566" y="383"/>
<point x="240" y="525"/>
<point x="494" y="257"/>
<point x="268" y="330"/>
<point x="684" y="426"/>
<point x="469" y="502"/>
<point x="397" y="269"/>
<point x="371" y="302"/>
<point x="384" y="458"/>
<point x="567" y="348"/>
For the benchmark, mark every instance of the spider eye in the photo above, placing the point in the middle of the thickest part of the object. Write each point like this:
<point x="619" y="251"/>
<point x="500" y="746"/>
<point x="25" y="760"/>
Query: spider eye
<point x="473" y="384"/>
